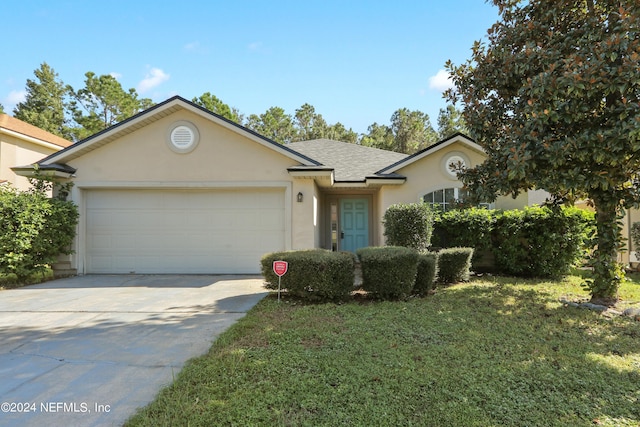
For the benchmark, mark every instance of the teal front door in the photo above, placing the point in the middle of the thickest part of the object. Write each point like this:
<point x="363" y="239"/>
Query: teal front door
<point x="354" y="222"/>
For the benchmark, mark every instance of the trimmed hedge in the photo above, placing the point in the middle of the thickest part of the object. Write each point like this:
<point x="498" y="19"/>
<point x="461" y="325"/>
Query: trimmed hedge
<point x="532" y="242"/>
<point x="408" y="225"/>
<point x="541" y="242"/>
<point x="454" y="265"/>
<point x="388" y="272"/>
<point x="316" y="274"/>
<point x="427" y="271"/>
<point x="466" y="228"/>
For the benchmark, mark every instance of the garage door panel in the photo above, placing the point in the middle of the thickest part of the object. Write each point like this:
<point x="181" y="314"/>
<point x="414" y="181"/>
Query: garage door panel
<point x="180" y="231"/>
<point x="270" y="220"/>
<point x="101" y="262"/>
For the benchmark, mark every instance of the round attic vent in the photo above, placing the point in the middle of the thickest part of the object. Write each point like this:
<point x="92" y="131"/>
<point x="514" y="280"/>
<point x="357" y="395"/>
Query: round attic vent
<point x="183" y="137"/>
<point x="451" y="160"/>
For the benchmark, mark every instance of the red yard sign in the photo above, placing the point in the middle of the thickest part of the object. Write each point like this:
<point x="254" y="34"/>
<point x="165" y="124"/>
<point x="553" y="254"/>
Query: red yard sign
<point x="280" y="267"/>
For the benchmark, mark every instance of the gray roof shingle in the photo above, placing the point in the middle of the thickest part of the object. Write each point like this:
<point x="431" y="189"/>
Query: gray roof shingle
<point x="351" y="162"/>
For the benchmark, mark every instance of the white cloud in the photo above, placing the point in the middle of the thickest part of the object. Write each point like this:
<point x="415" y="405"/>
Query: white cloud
<point x="441" y="81"/>
<point x="14" y="97"/>
<point x="115" y="75"/>
<point x="154" y="77"/>
<point x="255" y="46"/>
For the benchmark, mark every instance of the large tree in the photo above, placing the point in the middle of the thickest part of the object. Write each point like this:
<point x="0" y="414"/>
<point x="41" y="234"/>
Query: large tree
<point x="408" y="132"/>
<point x="215" y="105"/>
<point x="553" y="97"/>
<point x="1" y="109"/>
<point x="451" y="121"/>
<point x="103" y="103"/>
<point x="309" y="124"/>
<point x="45" y="102"/>
<point x="339" y="132"/>
<point x="274" y="124"/>
<point x="378" y="136"/>
<point x="412" y="130"/>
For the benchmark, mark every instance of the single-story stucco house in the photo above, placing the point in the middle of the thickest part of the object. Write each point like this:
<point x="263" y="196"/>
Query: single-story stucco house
<point x="22" y="143"/>
<point x="178" y="189"/>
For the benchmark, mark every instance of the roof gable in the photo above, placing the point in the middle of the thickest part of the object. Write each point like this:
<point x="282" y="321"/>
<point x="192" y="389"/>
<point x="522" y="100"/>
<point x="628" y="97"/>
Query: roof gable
<point x="39" y="136"/>
<point x="156" y="113"/>
<point x="456" y="138"/>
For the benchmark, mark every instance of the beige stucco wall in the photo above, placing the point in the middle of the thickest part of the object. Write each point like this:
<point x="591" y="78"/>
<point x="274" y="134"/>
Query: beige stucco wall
<point x="305" y="220"/>
<point x="317" y="216"/>
<point x="18" y="152"/>
<point x="222" y="155"/>
<point x="222" y="159"/>
<point x="428" y="174"/>
<point x="508" y="202"/>
<point x="423" y="176"/>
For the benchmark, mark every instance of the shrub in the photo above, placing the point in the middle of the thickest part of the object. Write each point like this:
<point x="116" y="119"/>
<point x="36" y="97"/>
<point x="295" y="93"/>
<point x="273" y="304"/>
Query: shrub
<point x="34" y="230"/>
<point x="388" y="272"/>
<point x="454" y="265"/>
<point x="316" y="274"/>
<point x="409" y="225"/>
<point x="541" y="242"/>
<point x="532" y="242"/>
<point x="427" y="270"/>
<point x="464" y="227"/>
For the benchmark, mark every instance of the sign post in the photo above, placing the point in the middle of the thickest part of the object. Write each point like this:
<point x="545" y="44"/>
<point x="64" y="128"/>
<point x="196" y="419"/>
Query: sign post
<point x="280" y="268"/>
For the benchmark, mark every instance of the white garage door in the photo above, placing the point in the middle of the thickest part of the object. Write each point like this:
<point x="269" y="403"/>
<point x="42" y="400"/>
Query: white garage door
<point x="182" y="231"/>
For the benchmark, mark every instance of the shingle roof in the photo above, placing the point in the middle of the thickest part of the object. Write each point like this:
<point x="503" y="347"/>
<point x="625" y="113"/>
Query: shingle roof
<point x="18" y="126"/>
<point x="351" y="162"/>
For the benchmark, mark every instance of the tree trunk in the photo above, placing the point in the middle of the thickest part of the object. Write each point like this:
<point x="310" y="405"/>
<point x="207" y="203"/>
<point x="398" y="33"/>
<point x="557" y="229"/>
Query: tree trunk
<point x="608" y="273"/>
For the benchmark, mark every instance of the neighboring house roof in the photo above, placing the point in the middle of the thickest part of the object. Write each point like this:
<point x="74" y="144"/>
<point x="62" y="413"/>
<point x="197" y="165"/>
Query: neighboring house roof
<point x="154" y="114"/>
<point x="18" y="128"/>
<point x="351" y="162"/>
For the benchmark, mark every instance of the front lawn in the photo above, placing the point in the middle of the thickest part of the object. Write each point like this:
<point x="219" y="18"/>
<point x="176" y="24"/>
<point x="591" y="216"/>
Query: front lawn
<point x="493" y="352"/>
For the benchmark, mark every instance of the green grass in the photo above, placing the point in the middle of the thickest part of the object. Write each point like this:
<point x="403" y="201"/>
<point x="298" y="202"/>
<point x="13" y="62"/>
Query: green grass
<point x="493" y="352"/>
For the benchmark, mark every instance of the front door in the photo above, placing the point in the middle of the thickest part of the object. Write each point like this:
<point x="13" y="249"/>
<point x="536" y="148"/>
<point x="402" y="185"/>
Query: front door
<point x="354" y="221"/>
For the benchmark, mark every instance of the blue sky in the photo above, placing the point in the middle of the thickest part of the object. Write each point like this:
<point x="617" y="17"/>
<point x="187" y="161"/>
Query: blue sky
<point x="356" y="62"/>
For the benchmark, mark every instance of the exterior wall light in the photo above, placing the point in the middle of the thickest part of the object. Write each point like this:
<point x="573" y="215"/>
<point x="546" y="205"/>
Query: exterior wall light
<point x="300" y="197"/>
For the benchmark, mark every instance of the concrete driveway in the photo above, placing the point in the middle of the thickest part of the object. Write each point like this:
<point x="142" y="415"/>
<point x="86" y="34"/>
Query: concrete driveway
<point x="89" y="350"/>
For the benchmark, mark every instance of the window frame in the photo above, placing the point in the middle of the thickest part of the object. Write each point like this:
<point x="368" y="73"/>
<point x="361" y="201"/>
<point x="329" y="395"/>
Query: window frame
<point x="444" y="203"/>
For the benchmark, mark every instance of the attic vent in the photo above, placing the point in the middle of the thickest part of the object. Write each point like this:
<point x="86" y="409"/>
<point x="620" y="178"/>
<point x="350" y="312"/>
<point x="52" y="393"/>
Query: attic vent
<point x="183" y="137"/>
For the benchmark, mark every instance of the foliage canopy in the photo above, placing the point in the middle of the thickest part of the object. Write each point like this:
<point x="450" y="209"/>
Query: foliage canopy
<point x="553" y="97"/>
<point x="34" y="229"/>
<point x="45" y="102"/>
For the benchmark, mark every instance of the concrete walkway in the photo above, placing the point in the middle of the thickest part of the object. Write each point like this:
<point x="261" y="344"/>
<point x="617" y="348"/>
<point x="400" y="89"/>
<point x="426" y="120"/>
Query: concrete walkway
<point x="89" y="350"/>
